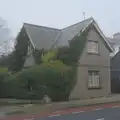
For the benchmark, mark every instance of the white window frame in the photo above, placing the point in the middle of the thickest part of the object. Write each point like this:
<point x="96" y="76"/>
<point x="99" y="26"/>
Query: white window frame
<point x="92" y="46"/>
<point x="93" y="79"/>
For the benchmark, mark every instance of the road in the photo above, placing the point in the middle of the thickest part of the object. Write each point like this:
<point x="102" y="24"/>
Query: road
<point x="97" y="114"/>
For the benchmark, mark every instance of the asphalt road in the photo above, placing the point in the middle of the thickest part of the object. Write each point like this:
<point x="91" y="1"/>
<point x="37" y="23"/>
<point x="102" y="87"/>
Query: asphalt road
<point x="98" y="114"/>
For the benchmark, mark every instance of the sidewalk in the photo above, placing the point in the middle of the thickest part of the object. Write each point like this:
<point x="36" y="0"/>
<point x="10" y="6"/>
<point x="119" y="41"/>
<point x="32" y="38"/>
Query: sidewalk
<point x="47" y="108"/>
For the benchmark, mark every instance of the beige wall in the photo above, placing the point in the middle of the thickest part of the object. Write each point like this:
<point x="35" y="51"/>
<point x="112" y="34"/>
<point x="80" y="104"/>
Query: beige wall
<point x="87" y="61"/>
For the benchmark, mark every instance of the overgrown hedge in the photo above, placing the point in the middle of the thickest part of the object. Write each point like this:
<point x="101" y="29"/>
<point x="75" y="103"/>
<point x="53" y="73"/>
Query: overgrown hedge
<point x="52" y="78"/>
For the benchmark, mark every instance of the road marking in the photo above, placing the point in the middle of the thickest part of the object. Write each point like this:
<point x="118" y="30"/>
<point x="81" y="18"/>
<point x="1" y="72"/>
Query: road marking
<point x="77" y="112"/>
<point x="56" y="111"/>
<point x="54" y="115"/>
<point x="29" y="119"/>
<point x="115" y="106"/>
<point x="100" y="119"/>
<point x="98" y="109"/>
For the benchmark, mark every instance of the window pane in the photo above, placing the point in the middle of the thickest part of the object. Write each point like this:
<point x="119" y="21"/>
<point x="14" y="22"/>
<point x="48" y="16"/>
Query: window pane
<point x="89" y="47"/>
<point x="90" y="81"/>
<point x="92" y="47"/>
<point x="97" y="80"/>
<point x="93" y="81"/>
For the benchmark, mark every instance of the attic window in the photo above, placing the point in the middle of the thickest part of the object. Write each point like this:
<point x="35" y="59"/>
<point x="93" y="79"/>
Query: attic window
<point x="92" y="47"/>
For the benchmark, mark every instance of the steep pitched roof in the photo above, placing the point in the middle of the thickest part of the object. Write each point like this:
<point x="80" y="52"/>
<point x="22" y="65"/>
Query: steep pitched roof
<point x="69" y="32"/>
<point x="45" y="37"/>
<point x="41" y="37"/>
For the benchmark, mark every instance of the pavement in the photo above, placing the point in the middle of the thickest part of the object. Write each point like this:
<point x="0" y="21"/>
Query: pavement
<point x="97" y="112"/>
<point x="36" y="110"/>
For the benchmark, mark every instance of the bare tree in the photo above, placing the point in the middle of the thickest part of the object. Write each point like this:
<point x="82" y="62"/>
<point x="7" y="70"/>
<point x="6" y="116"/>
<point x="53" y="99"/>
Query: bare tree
<point x="6" y="40"/>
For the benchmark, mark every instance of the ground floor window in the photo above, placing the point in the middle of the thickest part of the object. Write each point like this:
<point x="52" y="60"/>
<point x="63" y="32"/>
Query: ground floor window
<point x="93" y="79"/>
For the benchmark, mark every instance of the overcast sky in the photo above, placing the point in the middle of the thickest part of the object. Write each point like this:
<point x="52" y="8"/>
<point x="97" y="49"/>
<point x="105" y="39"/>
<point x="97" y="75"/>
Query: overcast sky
<point x="61" y="13"/>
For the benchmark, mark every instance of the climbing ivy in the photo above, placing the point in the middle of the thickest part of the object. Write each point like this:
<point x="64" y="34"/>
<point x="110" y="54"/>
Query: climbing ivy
<point x="20" y="52"/>
<point x="71" y="55"/>
<point x="37" y="54"/>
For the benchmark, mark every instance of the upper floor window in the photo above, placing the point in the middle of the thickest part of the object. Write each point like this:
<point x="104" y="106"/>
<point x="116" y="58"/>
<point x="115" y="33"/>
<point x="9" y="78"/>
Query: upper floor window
<point x="92" y="47"/>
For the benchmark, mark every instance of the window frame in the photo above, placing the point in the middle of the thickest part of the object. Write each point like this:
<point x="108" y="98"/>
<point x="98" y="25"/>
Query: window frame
<point x="92" y="51"/>
<point x="95" y="84"/>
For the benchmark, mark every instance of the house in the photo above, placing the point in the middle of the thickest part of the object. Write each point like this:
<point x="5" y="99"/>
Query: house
<point x="115" y="44"/>
<point x="115" y="73"/>
<point x="93" y="71"/>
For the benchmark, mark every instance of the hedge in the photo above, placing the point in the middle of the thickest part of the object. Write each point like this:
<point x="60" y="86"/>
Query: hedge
<point x="51" y="78"/>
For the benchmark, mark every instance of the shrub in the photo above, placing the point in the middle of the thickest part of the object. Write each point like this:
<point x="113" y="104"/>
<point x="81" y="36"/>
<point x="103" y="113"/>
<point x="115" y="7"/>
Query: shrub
<point x="57" y="78"/>
<point x="52" y="78"/>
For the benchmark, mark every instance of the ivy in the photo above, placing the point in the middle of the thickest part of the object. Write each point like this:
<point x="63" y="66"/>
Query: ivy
<point x="76" y="46"/>
<point x="71" y="55"/>
<point x="37" y="54"/>
<point x="20" y="52"/>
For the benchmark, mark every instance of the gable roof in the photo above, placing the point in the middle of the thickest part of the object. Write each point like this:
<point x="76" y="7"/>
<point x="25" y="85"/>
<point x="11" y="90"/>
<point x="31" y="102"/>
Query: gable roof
<point x="41" y="37"/>
<point x="70" y="32"/>
<point x="45" y="37"/>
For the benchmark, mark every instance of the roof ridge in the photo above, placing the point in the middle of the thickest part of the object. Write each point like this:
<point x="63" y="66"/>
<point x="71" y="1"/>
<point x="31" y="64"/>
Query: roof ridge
<point x="79" y="22"/>
<point x="40" y="26"/>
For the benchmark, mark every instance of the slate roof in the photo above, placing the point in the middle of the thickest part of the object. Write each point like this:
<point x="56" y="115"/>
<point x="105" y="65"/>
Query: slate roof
<point x="42" y="37"/>
<point x="45" y="37"/>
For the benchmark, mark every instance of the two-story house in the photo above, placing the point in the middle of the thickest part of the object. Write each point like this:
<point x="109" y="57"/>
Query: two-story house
<point x="93" y="70"/>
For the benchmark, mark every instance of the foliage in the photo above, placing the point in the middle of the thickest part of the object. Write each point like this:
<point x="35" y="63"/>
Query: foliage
<point x="51" y="55"/>
<point x="71" y="55"/>
<point x="37" y="54"/>
<point x="55" y="74"/>
<point x="3" y="75"/>
<point x="58" y="80"/>
<point x="53" y="78"/>
<point x="62" y="54"/>
<point x="20" y="51"/>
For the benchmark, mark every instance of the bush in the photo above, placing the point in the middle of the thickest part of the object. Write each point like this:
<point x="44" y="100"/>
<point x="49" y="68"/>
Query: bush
<point x="52" y="78"/>
<point x="58" y="80"/>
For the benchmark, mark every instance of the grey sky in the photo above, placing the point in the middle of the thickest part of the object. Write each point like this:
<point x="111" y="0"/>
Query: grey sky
<point x="61" y="13"/>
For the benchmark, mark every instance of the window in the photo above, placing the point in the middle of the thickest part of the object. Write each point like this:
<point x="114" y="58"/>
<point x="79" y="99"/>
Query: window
<point x="94" y="79"/>
<point x="92" y="47"/>
<point x="29" y="49"/>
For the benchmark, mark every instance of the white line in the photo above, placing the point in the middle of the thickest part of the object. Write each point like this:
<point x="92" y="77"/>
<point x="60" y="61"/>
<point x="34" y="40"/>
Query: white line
<point x="115" y="106"/>
<point x="98" y="109"/>
<point x="100" y="119"/>
<point x="57" y="111"/>
<point x="77" y="112"/>
<point x="54" y="115"/>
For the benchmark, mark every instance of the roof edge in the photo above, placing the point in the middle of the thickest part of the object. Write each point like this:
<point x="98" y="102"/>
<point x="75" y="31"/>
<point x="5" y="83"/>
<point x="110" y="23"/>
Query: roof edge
<point x="29" y="37"/>
<point x="79" y="22"/>
<point x="103" y="36"/>
<point x="40" y="26"/>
